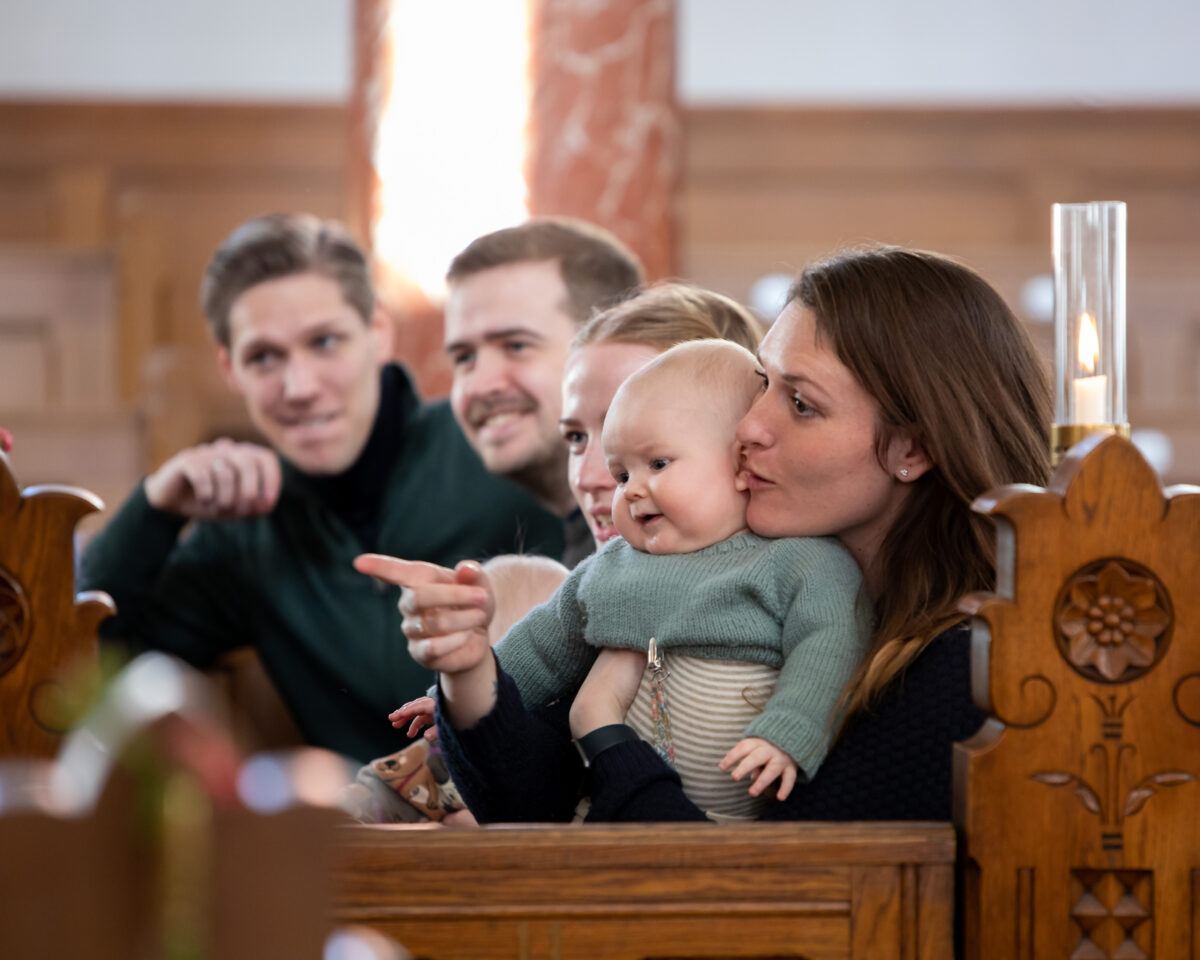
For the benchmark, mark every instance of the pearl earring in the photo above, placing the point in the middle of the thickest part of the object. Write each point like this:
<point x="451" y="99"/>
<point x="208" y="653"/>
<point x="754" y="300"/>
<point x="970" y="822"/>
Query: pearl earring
<point x="904" y="472"/>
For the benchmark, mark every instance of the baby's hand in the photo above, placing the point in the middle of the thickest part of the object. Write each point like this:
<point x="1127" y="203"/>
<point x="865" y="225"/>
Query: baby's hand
<point x="420" y="713"/>
<point x="771" y="763"/>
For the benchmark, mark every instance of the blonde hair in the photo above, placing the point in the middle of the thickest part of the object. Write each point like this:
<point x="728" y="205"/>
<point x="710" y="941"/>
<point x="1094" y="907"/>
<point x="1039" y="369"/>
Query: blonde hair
<point x="670" y="313"/>
<point x="724" y="373"/>
<point x="948" y="364"/>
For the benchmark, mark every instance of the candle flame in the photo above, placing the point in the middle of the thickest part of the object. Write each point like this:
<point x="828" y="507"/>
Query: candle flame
<point x="1089" y="344"/>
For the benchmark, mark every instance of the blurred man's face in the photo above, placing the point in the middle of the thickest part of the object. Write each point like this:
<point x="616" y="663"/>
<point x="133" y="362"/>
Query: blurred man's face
<point x="307" y="365"/>
<point x="507" y="336"/>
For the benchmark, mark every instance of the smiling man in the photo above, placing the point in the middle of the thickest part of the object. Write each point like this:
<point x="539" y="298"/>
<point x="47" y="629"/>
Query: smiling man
<point x="355" y="463"/>
<point x="517" y="298"/>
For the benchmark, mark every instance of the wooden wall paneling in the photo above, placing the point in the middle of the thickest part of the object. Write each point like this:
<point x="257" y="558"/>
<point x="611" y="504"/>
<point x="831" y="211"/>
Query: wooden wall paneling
<point x="144" y="137"/>
<point x="864" y="139"/>
<point x="55" y="317"/>
<point x="58" y="363"/>
<point x="26" y="206"/>
<point x="142" y="283"/>
<point x="157" y="186"/>
<point x="81" y="196"/>
<point x="789" y="179"/>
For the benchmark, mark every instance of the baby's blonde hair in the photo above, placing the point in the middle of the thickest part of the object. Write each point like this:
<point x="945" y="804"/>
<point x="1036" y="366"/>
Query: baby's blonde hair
<point x="722" y="373"/>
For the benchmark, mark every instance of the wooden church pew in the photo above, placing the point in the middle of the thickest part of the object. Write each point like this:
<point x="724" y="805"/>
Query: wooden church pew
<point x="622" y="891"/>
<point x="46" y="630"/>
<point x="1075" y="804"/>
<point x="1078" y="802"/>
<point x="148" y="837"/>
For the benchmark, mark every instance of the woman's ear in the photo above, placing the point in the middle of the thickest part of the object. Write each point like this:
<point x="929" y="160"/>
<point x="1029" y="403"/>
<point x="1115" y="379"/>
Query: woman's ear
<point x="906" y="458"/>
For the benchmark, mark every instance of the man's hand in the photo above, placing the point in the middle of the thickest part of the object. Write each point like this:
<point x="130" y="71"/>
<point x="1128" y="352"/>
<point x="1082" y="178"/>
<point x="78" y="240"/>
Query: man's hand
<point x="754" y="753"/>
<point x="445" y="618"/>
<point x="608" y="690"/>
<point x="445" y="612"/>
<point x="217" y="481"/>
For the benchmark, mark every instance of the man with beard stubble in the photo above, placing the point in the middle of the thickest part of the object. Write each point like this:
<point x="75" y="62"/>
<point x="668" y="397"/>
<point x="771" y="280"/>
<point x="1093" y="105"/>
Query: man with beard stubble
<point x="517" y="298"/>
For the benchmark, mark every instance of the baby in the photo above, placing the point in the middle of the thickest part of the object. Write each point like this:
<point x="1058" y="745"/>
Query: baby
<point x="756" y="636"/>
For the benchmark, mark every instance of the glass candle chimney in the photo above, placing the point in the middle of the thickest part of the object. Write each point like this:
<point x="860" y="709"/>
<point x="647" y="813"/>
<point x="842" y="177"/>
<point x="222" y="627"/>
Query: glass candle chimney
<point x="1089" y="321"/>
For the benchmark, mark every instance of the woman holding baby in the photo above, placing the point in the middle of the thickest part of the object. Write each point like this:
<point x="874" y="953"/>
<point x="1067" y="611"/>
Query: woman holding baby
<point x="896" y="388"/>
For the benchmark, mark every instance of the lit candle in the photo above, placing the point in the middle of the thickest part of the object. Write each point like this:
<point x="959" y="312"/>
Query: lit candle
<point x="1091" y="392"/>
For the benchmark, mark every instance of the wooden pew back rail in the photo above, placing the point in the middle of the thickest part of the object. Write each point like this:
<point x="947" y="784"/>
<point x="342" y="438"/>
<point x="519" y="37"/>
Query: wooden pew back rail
<point x="624" y="891"/>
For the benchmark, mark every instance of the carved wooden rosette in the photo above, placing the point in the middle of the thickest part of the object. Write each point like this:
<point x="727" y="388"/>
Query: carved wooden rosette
<point x="1077" y="802"/>
<point x="44" y="626"/>
<point x="14" y="622"/>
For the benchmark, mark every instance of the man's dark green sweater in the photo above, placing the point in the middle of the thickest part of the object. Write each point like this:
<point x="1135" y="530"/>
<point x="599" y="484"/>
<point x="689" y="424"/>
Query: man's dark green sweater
<point x="283" y="583"/>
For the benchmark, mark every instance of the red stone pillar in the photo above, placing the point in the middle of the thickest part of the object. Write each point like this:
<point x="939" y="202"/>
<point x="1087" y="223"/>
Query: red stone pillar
<point x="372" y="53"/>
<point x="604" y="129"/>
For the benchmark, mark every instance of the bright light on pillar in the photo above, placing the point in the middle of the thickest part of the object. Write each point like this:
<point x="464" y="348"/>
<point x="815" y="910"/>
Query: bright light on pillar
<point x="450" y="146"/>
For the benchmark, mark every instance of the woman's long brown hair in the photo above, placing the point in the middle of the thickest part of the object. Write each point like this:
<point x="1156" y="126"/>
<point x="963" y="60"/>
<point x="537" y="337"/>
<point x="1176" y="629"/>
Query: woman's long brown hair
<point x="951" y="366"/>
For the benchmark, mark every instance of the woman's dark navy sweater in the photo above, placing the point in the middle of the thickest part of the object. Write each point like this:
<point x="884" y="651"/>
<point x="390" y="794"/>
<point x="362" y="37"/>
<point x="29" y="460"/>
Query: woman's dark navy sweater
<point x="891" y="763"/>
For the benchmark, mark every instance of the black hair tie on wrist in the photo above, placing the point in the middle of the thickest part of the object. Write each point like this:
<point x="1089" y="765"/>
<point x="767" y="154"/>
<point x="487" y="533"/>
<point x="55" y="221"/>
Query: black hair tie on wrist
<point x="591" y="745"/>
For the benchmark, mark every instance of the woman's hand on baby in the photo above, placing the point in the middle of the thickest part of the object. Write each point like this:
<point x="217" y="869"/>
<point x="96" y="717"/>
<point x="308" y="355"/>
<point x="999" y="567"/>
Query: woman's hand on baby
<point x="754" y="753"/>
<point x="608" y="691"/>
<point x="417" y="714"/>
<point x="445" y="612"/>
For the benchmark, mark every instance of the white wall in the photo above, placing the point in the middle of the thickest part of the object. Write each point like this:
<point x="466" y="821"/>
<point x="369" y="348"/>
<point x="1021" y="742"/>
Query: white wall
<point x="262" y="50"/>
<point x="1073" y="52"/>
<point x="730" y="52"/>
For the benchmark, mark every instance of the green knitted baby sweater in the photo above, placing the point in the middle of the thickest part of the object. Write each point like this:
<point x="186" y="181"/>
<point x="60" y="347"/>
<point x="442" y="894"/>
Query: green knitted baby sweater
<point x="792" y="604"/>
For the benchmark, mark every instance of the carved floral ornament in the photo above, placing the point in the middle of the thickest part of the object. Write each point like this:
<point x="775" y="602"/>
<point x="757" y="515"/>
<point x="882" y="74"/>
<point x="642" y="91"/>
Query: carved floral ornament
<point x="1113" y="620"/>
<point x="14" y="622"/>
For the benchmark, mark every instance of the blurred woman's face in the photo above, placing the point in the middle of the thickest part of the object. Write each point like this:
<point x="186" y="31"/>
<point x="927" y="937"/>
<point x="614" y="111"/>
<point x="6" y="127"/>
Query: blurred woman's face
<point x="809" y="445"/>
<point x="590" y="379"/>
